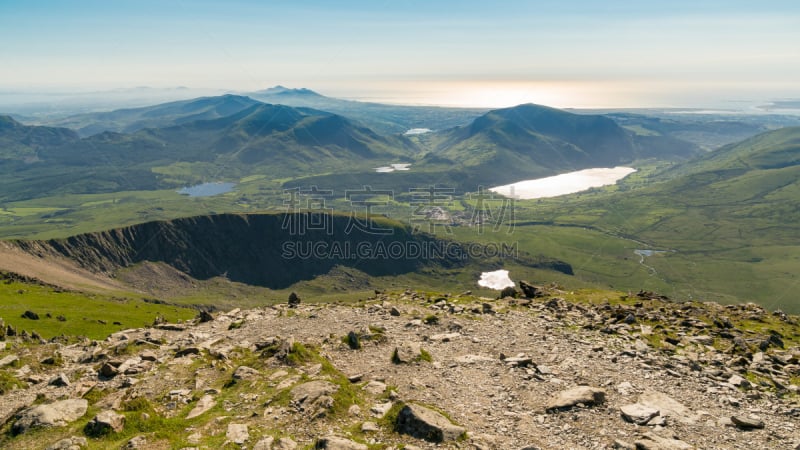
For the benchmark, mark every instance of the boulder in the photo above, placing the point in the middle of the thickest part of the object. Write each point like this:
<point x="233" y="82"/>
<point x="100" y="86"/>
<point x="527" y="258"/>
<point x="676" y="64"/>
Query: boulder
<point x="294" y="300"/>
<point x="406" y="353"/>
<point x="56" y="414"/>
<point x="529" y="290"/>
<point x="427" y="424"/>
<point x="586" y="395"/>
<point x="667" y="406"/>
<point x="314" y="397"/>
<point x="30" y="315"/>
<point x="237" y="433"/>
<point x="108" y="370"/>
<point x="264" y="444"/>
<point x="8" y="360"/>
<point x="205" y="316"/>
<point x="353" y="340"/>
<point x="105" y="422"/>
<point x="509" y="291"/>
<point x="338" y="443"/>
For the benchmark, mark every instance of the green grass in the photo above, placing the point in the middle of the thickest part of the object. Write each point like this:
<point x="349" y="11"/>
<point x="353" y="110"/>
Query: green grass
<point x="84" y="313"/>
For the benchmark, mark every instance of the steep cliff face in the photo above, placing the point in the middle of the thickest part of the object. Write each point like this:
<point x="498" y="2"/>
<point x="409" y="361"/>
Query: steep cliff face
<point x="270" y="250"/>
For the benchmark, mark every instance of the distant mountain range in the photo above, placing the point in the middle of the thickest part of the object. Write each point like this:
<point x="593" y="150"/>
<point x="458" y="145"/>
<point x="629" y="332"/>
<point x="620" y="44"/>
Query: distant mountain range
<point x="173" y="113"/>
<point x="265" y="139"/>
<point x="233" y="136"/>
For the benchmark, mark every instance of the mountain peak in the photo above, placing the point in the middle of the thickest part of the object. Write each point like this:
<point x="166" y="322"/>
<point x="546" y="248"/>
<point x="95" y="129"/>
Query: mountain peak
<point x="282" y="90"/>
<point x="8" y="122"/>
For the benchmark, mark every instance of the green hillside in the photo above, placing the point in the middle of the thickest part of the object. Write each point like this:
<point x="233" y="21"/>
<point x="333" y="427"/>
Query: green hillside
<point x="726" y="222"/>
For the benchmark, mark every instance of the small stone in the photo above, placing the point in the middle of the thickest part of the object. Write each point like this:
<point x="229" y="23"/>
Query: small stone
<point x="445" y="337"/>
<point x="285" y="443"/>
<point x="638" y="413"/>
<point x="187" y="351"/>
<point x="652" y="441"/>
<point x="205" y="403"/>
<point x="136" y="442"/>
<point x="739" y="381"/>
<point x="148" y="355"/>
<point x="338" y="443"/>
<point x="585" y="395"/>
<point x="59" y="380"/>
<point x="375" y="387"/>
<point x="245" y="373"/>
<point x="70" y="443"/>
<point x="369" y="427"/>
<point x="380" y="409"/>
<point x="747" y="422"/>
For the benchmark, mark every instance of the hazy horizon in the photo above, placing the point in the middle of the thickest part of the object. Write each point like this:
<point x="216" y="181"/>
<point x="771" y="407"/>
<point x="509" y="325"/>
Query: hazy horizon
<point x="468" y="53"/>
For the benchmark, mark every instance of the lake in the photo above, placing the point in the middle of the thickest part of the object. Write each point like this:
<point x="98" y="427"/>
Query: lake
<point x="207" y="189"/>
<point x="566" y="183"/>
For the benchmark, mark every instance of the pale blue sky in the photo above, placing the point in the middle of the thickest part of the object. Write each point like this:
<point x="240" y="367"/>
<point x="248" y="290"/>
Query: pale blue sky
<point x="578" y="53"/>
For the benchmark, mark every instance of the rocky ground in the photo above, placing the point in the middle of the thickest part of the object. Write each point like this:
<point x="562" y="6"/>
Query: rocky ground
<point x="555" y="370"/>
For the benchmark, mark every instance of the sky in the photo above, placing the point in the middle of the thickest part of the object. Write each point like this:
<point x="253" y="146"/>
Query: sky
<point x="583" y="53"/>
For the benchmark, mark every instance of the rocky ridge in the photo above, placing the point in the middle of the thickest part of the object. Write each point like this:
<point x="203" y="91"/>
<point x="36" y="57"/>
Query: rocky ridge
<point x="583" y="370"/>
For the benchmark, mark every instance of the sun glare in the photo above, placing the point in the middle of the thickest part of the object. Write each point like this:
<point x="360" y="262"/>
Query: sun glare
<point x="501" y="95"/>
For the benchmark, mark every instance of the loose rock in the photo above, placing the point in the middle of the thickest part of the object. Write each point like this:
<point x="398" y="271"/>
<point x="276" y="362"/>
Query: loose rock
<point x="423" y="423"/>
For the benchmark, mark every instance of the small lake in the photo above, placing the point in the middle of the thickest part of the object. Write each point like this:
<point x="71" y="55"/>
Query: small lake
<point x="497" y="280"/>
<point x="207" y="189"/>
<point x="415" y="131"/>
<point x="566" y="183"/>
<point x="392" y="168"/>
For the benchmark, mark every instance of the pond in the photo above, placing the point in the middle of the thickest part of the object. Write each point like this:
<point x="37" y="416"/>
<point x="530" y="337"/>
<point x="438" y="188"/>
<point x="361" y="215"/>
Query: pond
<point x="207" y="189"/>
<point x="416" y="131"/>
<point x="392" y="168"/>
